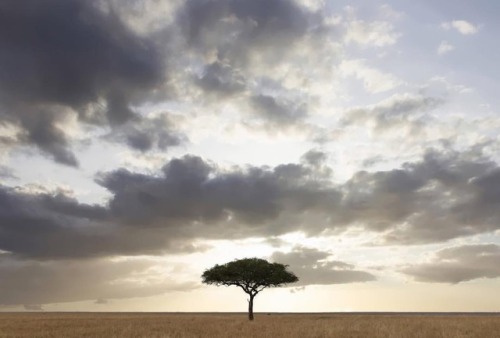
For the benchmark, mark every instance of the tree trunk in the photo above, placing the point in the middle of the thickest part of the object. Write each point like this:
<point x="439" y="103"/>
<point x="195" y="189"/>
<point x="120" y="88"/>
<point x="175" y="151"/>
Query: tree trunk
<point x="250" y="307"/>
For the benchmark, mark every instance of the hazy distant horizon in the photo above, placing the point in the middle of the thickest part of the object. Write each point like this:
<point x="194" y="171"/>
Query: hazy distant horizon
<point x="264" y="313"/>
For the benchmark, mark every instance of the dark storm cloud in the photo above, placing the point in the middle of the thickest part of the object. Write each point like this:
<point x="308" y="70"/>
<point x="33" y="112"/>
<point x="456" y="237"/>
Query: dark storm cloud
<point x="237" y="28"/>
<point x="148" y="133"/>
<point x="42" y="126"/>
<point x="458" y="264"/>
<point x="190" y="199"/>
<point x="313" y="267"/>
<point x="67" y="206"/>
<point x="446" y="195"/>
<point x="191" y="190"/>
<point x="71" y="55"/>
<point x="55" y="226"/>
<point x="30" y="282"/>
<point x="43" y="225"/>
<point x="69" y="52"/>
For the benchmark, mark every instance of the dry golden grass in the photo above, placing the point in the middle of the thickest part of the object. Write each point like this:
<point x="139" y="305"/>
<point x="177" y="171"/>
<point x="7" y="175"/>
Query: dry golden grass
<point x="236" y="325"/>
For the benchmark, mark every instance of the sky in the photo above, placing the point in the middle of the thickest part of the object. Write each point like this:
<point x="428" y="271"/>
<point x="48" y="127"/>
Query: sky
<point x="144" y="141"/>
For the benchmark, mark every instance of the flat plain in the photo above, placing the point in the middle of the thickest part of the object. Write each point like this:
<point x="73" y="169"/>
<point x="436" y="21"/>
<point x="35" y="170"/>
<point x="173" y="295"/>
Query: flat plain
<point x="236" y="325"/>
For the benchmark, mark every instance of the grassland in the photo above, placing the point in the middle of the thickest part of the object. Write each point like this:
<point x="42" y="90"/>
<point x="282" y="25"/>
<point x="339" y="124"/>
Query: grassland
<point x="236" y="325"/>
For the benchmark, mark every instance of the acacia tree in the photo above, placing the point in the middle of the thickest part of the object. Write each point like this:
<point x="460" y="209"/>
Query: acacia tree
<point x="251" y="274"/>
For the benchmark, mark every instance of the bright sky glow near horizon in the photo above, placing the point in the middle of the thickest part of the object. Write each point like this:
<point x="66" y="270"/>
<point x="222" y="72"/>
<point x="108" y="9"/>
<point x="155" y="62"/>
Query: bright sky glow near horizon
<point x="144" y="141"/>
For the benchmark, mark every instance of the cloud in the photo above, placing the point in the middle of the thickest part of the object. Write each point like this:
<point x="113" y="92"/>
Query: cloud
<point x="152" y="132"/>
<point x="46" y="225"/>
<point x="192" y="191"/>
<point x="103" y="63"/>
<point x="458" y="264"/>
<point x="48" y="282"/>
<point x="255" y="57"/>
<point x="446" y="195"/>
<point x="221" y="78"/>
<point x="315" y="157"/>
<point x="375" y="33"/>
<point x="445" y="47"/>
<point x="277" y="110"/>
<point x="313" y="267"/>
<point x="44" y="126"/>
<point x="461" y="26"/>
<point x="66" y="58"/>
<point x="7" y="173"/>
<point x="400" y="111"/>
<point x="163" y="212"/>
<point x="374" y="81"/>
<point x="237" y="29"/>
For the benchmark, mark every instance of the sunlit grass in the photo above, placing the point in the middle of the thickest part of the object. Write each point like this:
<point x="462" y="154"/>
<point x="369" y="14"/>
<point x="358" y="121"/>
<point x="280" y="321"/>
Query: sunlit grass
<point x="236" y="325"/>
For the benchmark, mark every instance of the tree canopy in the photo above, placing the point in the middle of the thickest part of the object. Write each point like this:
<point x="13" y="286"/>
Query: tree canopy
<point x="251" y="274"/>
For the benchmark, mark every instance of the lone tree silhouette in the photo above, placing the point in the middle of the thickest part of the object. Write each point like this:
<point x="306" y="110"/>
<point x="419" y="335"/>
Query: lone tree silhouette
<point x="251" y="274"/>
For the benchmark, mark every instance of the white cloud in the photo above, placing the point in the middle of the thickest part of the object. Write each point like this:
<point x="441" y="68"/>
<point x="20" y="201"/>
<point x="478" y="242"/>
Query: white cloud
<point x="445" y="47"/>
<point x="462" y="26"/>
<point x="313" y="4"/>
<point x="376" y="33"/>
<point x="374" y="80"/>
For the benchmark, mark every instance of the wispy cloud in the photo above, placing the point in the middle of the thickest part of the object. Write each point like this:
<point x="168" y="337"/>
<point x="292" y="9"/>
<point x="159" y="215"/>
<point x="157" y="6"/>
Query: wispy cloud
<point x="461" y="26"/>
<point x="374" y="80"/>
<point x="445" y="47"/>
<point x="458" y="264"/>
<point x="315" y="268"/>
<point x="376" y="33"/>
